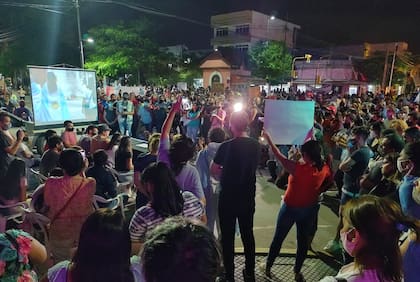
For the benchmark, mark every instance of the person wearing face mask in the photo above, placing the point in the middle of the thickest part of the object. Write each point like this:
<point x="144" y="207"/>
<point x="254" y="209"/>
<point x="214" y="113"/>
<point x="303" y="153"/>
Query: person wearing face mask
<point x="371" y="230"/>
<point x="69" y="135"/>
<point x="125" y="112"/>
<point x="352" y="167"/>
<point x="408" y="164"/>
<point x="8" y="144"/>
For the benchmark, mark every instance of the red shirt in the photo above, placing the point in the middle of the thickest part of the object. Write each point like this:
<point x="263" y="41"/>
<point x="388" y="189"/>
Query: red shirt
<point x="304" y="185"/>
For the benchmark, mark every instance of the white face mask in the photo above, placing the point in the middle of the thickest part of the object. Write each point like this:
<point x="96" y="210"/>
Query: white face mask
<point x="348" y="246"/>
<point x="403" y="166"/>
<point x="372" y="135"/>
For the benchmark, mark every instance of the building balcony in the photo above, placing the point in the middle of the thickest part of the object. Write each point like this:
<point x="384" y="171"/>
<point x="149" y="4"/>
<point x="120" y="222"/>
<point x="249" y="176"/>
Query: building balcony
<point x="231" y="39"/>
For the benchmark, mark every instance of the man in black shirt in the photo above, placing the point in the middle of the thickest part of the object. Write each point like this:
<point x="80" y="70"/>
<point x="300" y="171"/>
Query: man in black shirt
<point x="235" y="165"/>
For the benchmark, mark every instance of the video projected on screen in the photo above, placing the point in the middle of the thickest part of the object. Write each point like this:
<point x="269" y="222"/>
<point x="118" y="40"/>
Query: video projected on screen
<point x="63" y="94"/>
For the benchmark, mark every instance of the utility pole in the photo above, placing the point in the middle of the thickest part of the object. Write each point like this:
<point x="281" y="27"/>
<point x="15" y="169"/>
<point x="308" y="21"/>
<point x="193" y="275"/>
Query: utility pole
<point x="82" y="55"/>
<point x="385" y="69"/>
<point x="392" y="67"/>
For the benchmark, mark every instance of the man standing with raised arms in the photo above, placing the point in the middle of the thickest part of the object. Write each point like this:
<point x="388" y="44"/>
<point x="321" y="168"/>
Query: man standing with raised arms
<point x="235" y="165"/>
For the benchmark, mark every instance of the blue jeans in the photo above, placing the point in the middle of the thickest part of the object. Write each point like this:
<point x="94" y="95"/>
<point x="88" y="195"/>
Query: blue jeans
<point x="192" y="132"/>
<point x="125" y="126"/>
<point x="304" y="219"/>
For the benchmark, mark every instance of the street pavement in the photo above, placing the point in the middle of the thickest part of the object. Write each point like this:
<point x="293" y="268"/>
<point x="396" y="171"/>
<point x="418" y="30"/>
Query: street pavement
<point x="268" y="199"/>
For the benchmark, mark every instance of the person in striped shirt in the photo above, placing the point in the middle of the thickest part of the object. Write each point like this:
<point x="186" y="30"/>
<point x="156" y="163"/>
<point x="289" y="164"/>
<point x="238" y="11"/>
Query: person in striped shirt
<point x="165" y="200"/>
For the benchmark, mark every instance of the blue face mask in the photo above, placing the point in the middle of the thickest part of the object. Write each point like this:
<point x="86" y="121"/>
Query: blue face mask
<point x="351" y="143"/>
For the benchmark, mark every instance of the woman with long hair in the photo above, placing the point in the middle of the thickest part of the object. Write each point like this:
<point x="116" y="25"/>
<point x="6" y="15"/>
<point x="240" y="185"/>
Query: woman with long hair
<point x="300" y="205"/>
<point x="103" y="253"/>
<point x="124" y="155"/>
<point x="165" y="200"/>
<point x="371" y="232"/>
<point x="178" y="154"/>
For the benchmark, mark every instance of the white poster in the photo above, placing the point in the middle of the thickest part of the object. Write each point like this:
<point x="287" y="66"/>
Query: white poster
<point x="289" y="122"/>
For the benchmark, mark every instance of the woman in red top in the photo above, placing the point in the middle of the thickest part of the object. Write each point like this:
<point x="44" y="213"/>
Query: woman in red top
<point x="300" y="204"/>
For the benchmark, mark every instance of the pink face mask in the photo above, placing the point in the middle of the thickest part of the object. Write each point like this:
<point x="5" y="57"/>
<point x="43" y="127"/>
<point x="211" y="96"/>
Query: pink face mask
<point x="348" y="245"/>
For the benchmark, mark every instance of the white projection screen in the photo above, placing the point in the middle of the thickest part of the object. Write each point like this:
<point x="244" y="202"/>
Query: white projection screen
<point x="60" y="94"/>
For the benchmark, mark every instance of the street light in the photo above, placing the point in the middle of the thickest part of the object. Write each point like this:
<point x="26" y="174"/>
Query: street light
<point x="269" y="19"/>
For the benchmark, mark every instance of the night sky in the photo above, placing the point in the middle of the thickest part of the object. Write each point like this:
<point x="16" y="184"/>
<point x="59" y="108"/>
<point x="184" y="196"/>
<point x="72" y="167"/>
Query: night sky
<point x="324" y="22"/>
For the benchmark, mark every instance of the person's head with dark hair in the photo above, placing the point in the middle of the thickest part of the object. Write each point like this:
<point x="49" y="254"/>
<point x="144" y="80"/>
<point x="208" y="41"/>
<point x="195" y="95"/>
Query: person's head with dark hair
<point x="55" y="143"/>
<point x="371" y="231"/>
<point x="413" y="118"/>
<point x="360" y="134"/>
<point x="100" y="158"/>
<point x="391" y="143"/>
<point x="159" y="185"/>
<point x="92" y="130"/>
<point x="217" y="135"/>
<point x="388" y="131"/>
<point x="312" y="153"/>
<point x="181" y="151"/>
<point x="187" y="250"/>
<point x="49" y="133"/>
<point x="10" y="188"/>
<point x="412" y="135"/>
<point x="115" y="140"/>
<point x="125" y="144"/>
<point x="238" y="122"/>
<point x="104" y="249"/>
<point x="67" y="123"/>
<point x="409" y="160"/>
<point x="377" y="128"/>
<point x="153" y="143"/>
<point x="5" y="121"/>
<point x="71" y="161"/>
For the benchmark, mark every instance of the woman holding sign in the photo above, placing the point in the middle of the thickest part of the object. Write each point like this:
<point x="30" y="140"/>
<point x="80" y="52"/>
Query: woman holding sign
<point x="306" y="182"/>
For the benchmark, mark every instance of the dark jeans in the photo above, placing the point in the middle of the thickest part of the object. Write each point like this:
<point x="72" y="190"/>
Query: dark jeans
<point x="228" y="214"/>
<point x="304" y="219"/>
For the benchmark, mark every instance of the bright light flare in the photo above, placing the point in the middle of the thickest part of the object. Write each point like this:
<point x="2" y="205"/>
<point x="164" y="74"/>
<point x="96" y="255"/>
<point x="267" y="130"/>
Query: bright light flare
<point x="237" y="107"/>
<point x="90" y="40"/>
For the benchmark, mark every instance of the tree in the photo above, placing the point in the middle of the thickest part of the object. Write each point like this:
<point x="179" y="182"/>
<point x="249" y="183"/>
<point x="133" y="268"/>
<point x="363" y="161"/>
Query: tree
<point x="272" y="61"/>
<point x="126" y="49"/>
<point x="373" y="68"/>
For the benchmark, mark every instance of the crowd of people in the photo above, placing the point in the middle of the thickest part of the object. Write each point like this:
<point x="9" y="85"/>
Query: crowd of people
<point x="197" y="182"/>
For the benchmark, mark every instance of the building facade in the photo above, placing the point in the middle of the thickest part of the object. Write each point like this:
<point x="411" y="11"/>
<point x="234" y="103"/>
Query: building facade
<point x="241" y="30"/>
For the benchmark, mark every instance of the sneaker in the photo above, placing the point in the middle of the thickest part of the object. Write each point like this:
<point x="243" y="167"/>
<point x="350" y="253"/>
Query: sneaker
<point x="264" y="269"/>
<point x="333" y="247"/>
<point x="299" y="277"/>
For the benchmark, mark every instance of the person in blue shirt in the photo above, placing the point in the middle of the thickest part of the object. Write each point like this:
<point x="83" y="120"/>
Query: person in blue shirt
<point x="409" y="165"/>
<point x="194" y="122"/>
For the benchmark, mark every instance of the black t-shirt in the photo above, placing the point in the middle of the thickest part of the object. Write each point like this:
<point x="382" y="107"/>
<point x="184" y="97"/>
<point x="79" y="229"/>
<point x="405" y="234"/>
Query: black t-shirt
<point x="4" y="156"/>
<point x="143" y="161"/>
<point x="121" y="158"/>
<point x="49" y="161"/>
<point x="239" y="158"/>
<point x="351" y="178"/>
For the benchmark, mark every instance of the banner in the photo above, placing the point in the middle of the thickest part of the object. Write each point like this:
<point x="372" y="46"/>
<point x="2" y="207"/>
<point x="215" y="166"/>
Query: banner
<point x="289" y="122"/>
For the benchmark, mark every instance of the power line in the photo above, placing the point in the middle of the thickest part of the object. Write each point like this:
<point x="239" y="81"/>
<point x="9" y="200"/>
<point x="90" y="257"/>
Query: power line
<point x="150" y="11"/>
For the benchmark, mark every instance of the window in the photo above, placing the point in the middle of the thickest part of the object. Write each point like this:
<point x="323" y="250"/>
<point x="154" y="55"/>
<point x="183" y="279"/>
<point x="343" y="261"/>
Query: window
<point x="222" y="32"/>
<point x="242" y="29"/>
<point x="242" y="47"/>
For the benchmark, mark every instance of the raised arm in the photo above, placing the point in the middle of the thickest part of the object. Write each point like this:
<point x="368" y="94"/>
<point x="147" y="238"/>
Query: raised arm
<point x="167" y="125"/>
<point x="288" y="165"/>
